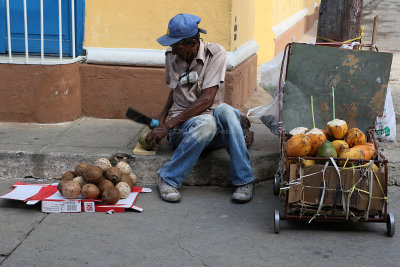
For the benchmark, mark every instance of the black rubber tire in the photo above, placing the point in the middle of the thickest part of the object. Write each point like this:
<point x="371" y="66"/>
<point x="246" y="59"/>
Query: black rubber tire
<point x="277" y="188"/>
<point x="276" y="222"/>
<point x="390" y="226"/>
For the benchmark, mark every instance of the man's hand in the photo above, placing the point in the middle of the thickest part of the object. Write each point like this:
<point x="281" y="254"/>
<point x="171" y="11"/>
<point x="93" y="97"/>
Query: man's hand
<point x="155" y="136"/>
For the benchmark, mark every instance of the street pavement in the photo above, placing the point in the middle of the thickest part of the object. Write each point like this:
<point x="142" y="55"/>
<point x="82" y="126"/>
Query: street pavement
<point x="206" y="228"/>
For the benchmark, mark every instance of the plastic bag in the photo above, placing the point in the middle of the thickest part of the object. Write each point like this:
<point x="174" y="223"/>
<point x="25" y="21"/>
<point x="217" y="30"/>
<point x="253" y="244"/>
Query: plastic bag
<point x="270" y="72"/>
<point x="268" y="114"/>
<point x="385" y="126"/>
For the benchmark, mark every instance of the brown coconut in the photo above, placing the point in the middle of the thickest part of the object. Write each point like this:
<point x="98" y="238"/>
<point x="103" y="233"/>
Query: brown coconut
<point x="340" y="146"/>
<point x="103" y="163"/>
<point x="93" y="175"/>
<point x="68" y="175"/>
<point x="104" y="184"/>
<point x="79" y="180"/>
<point x="127" y="179"/>
<point x="113" y="174"/>
<point x="80" y="168"/>
<point x="90" y="191"/>
<point x="355" y="137"/>
<point x="70" y="189"/>
<point x="124" y="189"/>
<point x="133" y="177"/>
<point x="337" y="128"/>
<point x="317" y="137"/>
<point x="124" y="167"/>
<point x="62" y="180"/>
<point x="111" y="195"/>
<point x="298" y="145"/>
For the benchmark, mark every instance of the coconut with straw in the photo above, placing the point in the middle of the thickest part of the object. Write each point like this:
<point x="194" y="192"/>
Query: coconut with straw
<point x="337" y="128"/>
<point x="316" y="136"/>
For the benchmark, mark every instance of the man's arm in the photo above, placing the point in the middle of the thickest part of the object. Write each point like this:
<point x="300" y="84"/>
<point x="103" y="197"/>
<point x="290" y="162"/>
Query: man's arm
<point x="205" y="100"/>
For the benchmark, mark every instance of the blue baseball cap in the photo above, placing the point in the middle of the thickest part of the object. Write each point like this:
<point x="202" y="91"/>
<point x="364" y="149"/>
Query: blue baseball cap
<point x="180" y="27"/>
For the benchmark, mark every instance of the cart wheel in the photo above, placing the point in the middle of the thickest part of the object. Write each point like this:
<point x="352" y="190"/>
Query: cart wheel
<point x="276" y="185"/>
<point x="276" y="221"/>
<point x="390" y="228"/>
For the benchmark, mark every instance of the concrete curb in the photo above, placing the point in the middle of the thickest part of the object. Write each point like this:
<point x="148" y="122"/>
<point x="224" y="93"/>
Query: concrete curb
<point x="211" y="169"/>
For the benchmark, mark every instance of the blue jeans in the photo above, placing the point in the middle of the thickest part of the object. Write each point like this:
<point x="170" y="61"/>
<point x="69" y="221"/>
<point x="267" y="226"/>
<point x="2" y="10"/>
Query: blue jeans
<point x="207" y="132"/>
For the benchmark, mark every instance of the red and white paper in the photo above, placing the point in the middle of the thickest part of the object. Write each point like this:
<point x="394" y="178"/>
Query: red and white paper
<point x="53" y="202"/>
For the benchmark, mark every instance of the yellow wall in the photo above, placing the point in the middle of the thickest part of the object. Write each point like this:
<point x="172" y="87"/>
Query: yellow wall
<point x="137" y="24"/>
<point x="263" y="33"/>
<point x="243" y="12"/>
<point x="270" y="13"/>
<point x="284" y="9"/>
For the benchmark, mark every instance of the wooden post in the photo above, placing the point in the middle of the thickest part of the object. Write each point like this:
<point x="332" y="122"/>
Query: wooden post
<point x="339" y="20"/>
<point x="375" y="29"/>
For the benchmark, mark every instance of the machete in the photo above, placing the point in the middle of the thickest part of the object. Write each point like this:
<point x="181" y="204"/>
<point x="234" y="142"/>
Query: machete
<point x="141" y="118"/>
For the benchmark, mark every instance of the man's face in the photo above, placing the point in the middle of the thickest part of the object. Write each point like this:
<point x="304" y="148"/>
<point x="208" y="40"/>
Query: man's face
<point x="184" y="52"/>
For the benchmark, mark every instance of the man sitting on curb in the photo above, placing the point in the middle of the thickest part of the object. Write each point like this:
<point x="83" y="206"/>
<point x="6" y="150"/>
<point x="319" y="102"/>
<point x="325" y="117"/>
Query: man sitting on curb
<point x="199" y="120"/>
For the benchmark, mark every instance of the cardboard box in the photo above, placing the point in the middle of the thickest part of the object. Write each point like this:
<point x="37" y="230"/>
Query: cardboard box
<point x="307" y="192"/>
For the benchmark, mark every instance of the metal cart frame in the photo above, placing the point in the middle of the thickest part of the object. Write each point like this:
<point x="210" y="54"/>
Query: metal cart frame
<point x="282" y="175"/>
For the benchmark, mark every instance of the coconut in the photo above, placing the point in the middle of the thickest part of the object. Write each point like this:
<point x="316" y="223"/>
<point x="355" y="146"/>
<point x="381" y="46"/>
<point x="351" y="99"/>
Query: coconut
<point x="352" y="153"/>
<point x="317" y="137"/>
<point x="79" y="180"/>
<point x="103" y="163"/>
<point x="62" y="180"/>
<point x="124" y="167"/>
<point x="298" y="145"/>
<point x="374" y="168"/>
<point x="113" y="174"/>
<point x="124" y="189"/>
<point x="93" y="175"/>
<point x="326" y="150"/>
<point x="90" y="191"/>
<point x="337" y="128"/>
<point x="340" y="146"/>
<point x="355" y="137"/>
<point x="68" y="175"/>
<point x="307" y="163"/>
<point x="70" y="189"/>
<point x="111" y="195"/>
<point x="143" y="143"/>
<point x="127" y="179"/>
<point x="369" y="150"/>
<point x="298" y="130"/>
<point x="104" y="184"/>
<point x="133" y="177"/>
<point x="80" y="168"/>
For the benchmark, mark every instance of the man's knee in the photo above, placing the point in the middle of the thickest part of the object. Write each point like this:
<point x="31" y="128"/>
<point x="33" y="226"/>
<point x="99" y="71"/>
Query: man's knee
<point x="225" y="112"/>
<point x="206" y="127"/>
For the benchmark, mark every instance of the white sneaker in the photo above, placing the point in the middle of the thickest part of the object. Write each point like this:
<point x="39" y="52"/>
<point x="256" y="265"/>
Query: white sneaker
<point x="168" y="192"/>
<point x="243" y="193"/>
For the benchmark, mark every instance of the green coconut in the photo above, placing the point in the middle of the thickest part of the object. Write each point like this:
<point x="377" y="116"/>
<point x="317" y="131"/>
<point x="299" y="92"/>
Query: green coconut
<point x="326" y="150"/>
<point x="143" y="143"/>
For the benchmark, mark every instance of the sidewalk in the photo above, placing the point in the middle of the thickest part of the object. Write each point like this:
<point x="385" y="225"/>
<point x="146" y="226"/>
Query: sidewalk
<point x="46" y="151"/>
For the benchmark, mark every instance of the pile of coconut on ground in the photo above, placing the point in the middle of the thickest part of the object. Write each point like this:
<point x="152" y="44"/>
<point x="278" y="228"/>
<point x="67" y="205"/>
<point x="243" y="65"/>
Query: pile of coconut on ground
<point x="102" y="180"/>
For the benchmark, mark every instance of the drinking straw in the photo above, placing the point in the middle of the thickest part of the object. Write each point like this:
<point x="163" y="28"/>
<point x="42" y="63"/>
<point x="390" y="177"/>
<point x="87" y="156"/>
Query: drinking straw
<point x="312" y="111"/>
<point x="333" y="100"/>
